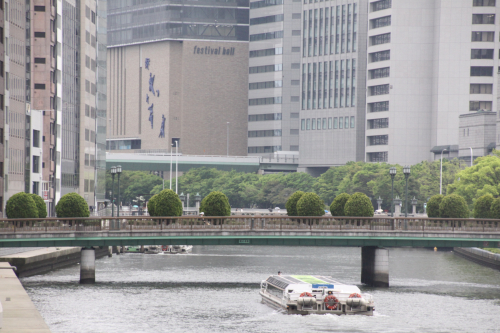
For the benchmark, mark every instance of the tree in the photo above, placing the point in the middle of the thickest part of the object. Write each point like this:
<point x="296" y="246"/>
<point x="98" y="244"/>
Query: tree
<point x="310" y="204"/>
<point x="215" y="204"/>
<point x="151" y="205"/>
<point x="433" y="205"/>
<point x="453" y="206"/>
<point x="40" y="205"/>
<point x="338" y="204"/>
<point x="495" y="208"/>
<point x="167" y="203"/>
<point x="291" y="204"/>
<point x="359" y="205"/>
<point x="482" y="207"/>
<point x="21" y="206"/>
<point x="72" y="205"/>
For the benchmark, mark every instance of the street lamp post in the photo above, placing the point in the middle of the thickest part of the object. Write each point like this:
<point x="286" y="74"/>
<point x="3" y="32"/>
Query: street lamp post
<point x="171" y="166"/>
<point x="113" y="172"/>
<point x="118" y="171"/>
<point x="392" y="172"/>
<point x="471" y="158"/>
<point x="227" y="139"/>
<point x="176" y="163"/>
<point x="441" y="173"/>
<point x="406" y="172"/>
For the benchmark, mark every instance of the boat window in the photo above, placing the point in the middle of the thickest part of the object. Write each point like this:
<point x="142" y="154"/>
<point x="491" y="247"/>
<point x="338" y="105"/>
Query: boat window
<point x="274" y="291"/>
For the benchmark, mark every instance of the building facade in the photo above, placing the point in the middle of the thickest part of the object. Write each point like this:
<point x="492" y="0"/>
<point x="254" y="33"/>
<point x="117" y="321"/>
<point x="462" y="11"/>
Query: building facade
<point x="178" y="76"/>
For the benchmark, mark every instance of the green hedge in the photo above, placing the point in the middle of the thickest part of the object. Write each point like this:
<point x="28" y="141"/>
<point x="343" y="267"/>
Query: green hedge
<point x="291" y="203"/>
<point x="495" y="208"/>
<point x="453" y="206"/>
<point x="40" y="205"/>
<point x="21" y="206"/>
<point x="433" y="205"/>
<point x="72" y="205"/>
<point x="338" y="204"/>
<point x="359" y="205"/>
<point x="482" y="207"/>
<point x="167" y="203"/>
<point x="215" y="204"/>
<point x="310" y="204"/>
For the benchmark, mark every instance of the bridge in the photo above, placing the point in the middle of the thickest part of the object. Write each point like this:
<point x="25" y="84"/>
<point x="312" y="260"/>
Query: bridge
<point x="374" y="234"/>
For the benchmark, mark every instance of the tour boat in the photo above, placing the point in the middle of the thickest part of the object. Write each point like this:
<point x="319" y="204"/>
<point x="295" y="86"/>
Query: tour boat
<point x="312" y="294"/>
<point x="176" y="249"/>
<point x="152" y="249"/>
<point x="132" y="249"/>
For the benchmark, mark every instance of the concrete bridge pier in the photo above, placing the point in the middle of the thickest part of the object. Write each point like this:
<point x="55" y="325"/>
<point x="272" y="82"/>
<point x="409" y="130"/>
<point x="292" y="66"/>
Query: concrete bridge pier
<point x="87" y="266"/>
<point x="375" y="266"/>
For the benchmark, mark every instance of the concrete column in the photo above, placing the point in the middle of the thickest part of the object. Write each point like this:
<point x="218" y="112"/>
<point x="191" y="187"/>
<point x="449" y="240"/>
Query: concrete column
<point x="115" y="249"/>
<point x="87" y="266"/>
<point x="375" y="266"/>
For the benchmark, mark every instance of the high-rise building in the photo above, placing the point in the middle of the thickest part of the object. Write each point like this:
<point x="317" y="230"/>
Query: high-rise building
<point x="3" y="117"/>
<point x="178" y="76"/>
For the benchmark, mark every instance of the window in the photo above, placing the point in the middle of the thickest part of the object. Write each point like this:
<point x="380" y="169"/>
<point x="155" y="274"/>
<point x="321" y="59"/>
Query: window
<point x="92" y="16"/>
<point x="382" y="89"/>
<point x="265" y="69"/>
<point x="335" y="123"/>
<point x="379" y="73"/>
<point x="480" y="105"/>
<point x="267" y="19"/>
<point x="381" y="5"/>
<point x="483" y="18"/>
<point x="341" y="122"/>
<point x="484" y="3"/>
<point x="481" y="88"/>
<point x="263" y="149"/>
<point x="481" y="54"/>
<point x="1" y="102"/>
<point x="378" y="156"/>
<point x="36" y="138"/>
<point x="266" y="35"/>
<point x="303" y="124"/>
<point x="346" y="125"/>
<point x="264" y="101"/>
<point x="265" y="3"/>
<point x="264" y="117"/>
<point x="39" y="86"/>
<point x="39" y="8"/>
<point x="324" y="123"/>
<point x="36" y="164"/>
<point x="481" y="71"/>
<point x="313" y="121"/>
<point x="39" y="34"/>
<point x="264" y="85"/>
<point x="318" y="121"/>
<point x="378" y="123"/>
<point x="380" y="39"/>
<point x="352" y="122"/>
<point x="266" y="52"/>
<point x="381" y="22"/>
<point x="483" y="36"/>
<point x="39" y="60"/>
<point x="263" y="133"/>
<point x="308" y="124"/>
<point x="36" y="188"/>
<point x="380" y="56"/>
<point x="378" y="140"/>
<point x="330" y="123"/>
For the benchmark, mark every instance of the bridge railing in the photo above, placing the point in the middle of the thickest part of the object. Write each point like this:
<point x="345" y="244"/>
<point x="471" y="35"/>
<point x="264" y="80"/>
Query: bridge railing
<point x="257" y="223"/>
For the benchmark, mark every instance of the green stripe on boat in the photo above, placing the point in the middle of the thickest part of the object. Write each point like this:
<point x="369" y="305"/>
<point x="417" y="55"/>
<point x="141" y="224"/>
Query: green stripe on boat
<point x="308" y="279"/>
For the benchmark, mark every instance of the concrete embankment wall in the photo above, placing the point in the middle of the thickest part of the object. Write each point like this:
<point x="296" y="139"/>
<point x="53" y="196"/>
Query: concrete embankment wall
<point x="479" y="256"/>
<point x="45" y="260"/>
<point x="19" y="313"/>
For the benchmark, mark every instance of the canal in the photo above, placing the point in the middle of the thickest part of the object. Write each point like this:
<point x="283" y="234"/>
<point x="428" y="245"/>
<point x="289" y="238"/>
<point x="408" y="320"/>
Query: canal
<point x="215" y="289"/>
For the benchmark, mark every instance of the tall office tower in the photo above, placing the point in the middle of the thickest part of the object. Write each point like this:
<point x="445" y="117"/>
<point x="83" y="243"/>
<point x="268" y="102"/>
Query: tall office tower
<point x="429" y="61"/>
<point x="17" y="158"/>
<point x="274" y="76"/>
<point x="178" y="75"/>
<point x="3" y="116"/>
<point x="333" y="83"/>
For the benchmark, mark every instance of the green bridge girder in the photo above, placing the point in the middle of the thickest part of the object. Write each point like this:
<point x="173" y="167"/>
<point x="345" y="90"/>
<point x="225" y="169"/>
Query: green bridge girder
<point x="345" y="241"/>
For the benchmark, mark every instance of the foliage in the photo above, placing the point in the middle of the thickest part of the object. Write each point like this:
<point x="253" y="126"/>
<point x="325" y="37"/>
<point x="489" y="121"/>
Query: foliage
<point x="433" y="205"/>
<point x="482" y="207"/>
<point x="291" y="203"/>
<point x="338" y="204"/>
<point x="359" y="205"/>
<point x="133" y="184"/>
<point x="495" y="208"/>
<point x="215" y="204"/>
<point x="453" y="206"/>
<point x="151" y="205"/>
<point x="40" y="205"/>
<point x="72" y="205"/>
<point x="310" y="204"/>
<point x="21" y="205"/>
<point x="167" y="203"/>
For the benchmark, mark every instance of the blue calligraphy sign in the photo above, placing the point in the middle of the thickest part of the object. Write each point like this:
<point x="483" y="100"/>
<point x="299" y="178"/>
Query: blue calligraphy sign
<point x="151" y="115"/>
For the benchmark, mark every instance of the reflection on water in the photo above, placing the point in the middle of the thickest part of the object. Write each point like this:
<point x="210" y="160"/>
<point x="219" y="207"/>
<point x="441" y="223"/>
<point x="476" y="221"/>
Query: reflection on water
<point x="216" y="289"/>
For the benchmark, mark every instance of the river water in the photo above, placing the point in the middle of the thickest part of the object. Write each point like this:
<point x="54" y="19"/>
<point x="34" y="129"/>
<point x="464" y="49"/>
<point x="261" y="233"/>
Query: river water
<point x="216" y="289"/>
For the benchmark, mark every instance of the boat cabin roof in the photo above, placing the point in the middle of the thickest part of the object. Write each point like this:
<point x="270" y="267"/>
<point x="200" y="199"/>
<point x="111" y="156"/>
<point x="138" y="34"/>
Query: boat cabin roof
<point x="315" y="281"/>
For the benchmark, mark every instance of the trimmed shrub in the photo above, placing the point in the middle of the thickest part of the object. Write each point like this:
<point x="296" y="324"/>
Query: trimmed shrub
<point x="482" y="207"/>
<point x="21" y="206"/>
<point x="151" y="205"/>
<point x="40" y="205"/>
<point x="338" y="204"/>
<point x="495" y="208"/>
<point x="215" y="204"/>
<point x="359" y="205"/>
<point x="310" y="204"/>
<point x="291" y="203"/>
<point x="167" y="203"/>
<point x="433" y="205"/>
<point x="72" y="205"/>
<point x="453" y="206"/>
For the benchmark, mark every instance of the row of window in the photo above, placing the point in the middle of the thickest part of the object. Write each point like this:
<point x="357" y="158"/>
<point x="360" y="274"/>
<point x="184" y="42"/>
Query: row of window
<point x="480" y="105"/>
<point x="267" y="19"/>
<point x="380" y="39"/>
<point x="483" y="18"/>
<point x="265" y="69"/>
<point x="266" y="52"/>
<point x="327" y="123"/>
<point x="266" y="35"/>
<point x="264" y="101"/>
<point x="263" y="149"/>
<point x="379" y="73"/>
<point x="378" y="140"/>
<point x="381" y="156"/>
<point x="380" y="22"/>
<point x="378" y="106"/>
<point x="380" y="56"/>
<point x="382" y="89"/>
<point x="330" y="30"/>
<point x="484" y="3"/>
<point x="264" y="133"/>
<point x="265" y="3"/>
<point x="329" y="84"/>
<point x="265" y="116"/>
<point x="378" y="123"/>
<point x="381" y="5"/>
<point x="481" y="71"/>
<point x="265" y="85"/>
